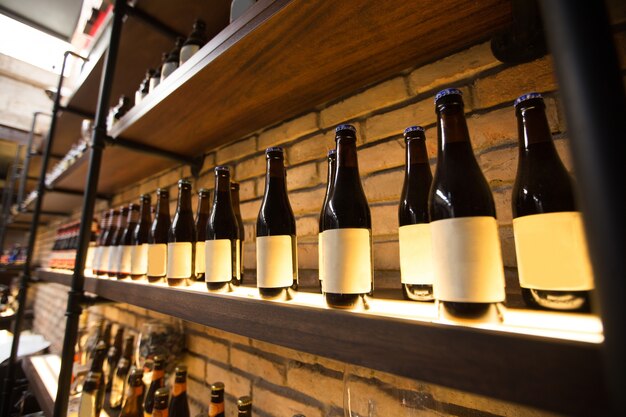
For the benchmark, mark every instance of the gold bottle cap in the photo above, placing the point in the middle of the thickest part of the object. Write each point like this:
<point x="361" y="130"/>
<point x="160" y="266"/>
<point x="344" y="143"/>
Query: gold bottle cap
<point x="244" y="401"/>
<point x="217" y="386"/>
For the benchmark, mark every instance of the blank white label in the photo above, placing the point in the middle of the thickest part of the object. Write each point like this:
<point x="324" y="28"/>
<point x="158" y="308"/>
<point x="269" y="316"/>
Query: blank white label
<point x="167" y="69"/>
<point x="200" y="261"/>
<point x="320" y="257"/>
<point x="467" y="260"/>
<point x="104" y="259"/>
<point x="218" y="260"/>
<point x="187" y="52"/>
<point x="97" y="259"/>
<point x="179" y="259"/>
<point x="157" y="259"/>
<point x="139" y="259"/>
<point x="347" y="261"/>
<point x="552" y="252"/>
<point x="90" y="254"/>
<point x="275" y="261"/>
<point x="125" y="259"/>
<point x="416" y="254"/>
<point x="114" y="259"/>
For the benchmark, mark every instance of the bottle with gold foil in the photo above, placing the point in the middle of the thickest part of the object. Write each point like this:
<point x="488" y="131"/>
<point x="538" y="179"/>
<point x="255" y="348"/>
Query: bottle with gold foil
<point x="161" y="402"/>
<point x="216" y="406"/>
<point x="115" y="258"/>
<point x="127" y="241"/>
<point x="552" y="257"/>
<point x="140" y="240"/>
<point x="181" y="240"/>
<point x="416" y="268"/>
<point x="134" y="394"/>
<point x="157" y="243"/>
<point x="276" y="244"/>
<point x="179" y="404"/>
<point x="202" y="217"/>
<point x="244" y="406"/>
<point x="158" y="381"/>
<point x="330" y="178"/>
<point x="221" y="248"/>
<point x="107" y="242"/>
<point x="234" y="196"/>
<point x="88" y="398"/>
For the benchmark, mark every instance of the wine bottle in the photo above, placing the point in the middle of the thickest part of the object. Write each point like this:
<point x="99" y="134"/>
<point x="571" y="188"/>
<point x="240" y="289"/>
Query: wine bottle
<point x="88" y="398"/>
<point x="97" y="363"/>
<point x="234" y="196"/>
<point x="91" y="249"/>
<point x="416" y="266"/>
<point x="347" y="236"/>
<point x="107" y="242"/>
<point x="244" y="406"/>
<point x="179" y="404"/>
<point x="276" y="244"/>
<point x="115" y="256"/>
<point x="127" y="241"/>
<point x="133" y="398"/>
<point x="155" y="80"/>
<point x="194" y="42"/>
<point x="120" y="373"/>
<point x="552" y="257"/>
<point x="158" y="381"/>
<point x="181" y="240"/>
<point x="466" y="248"/>
<point x="157" y="243"/>
<point x="222" y="237"/>
<point x="202" y="217"/>
<point x="171" y="62"/>
<point x="140" y="241"/>
<point x="113" y="356"/>
<point x="97" y="257"/>
<point x="330" y="179"/>
<point x="161" y="402"/>
<point x="216" y="406"/>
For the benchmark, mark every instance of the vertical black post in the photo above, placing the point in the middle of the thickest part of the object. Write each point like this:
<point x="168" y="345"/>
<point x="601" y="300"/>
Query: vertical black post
<point x="7" y="196"/>
<point x="29" y="147"/>
<point x="587" y="68"/>
<point x="7" y="400"/>
<point x="75" y="294"/>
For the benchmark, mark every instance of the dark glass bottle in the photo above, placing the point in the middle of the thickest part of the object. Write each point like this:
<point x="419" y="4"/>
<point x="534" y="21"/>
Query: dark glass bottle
<point x="179" y="404"/>
<point x="158" y="381"/>
<point x="155" y="80"/>
<point x="97" y="363"/>
<point x="222" y="237"/>
<point x="141" y="239"/>
<point x="202" y="218"/>
<point x="113" y="356"/>
<point x="171" y="63"/>
<point x="120" y="374"/>
<point x="97" y="257"/>
<point x="161" y="402"/>
<point x="414" y="232"/>
<point x="461" y="207"/>
<point x="234" y="196"/>
<point x="107" y="244"/>
<point x="105" y="335"/>
<point x="330" y="179"/>
<point x="182" y="239"/>
<point x="134" y="393"/>
<point x="159" y="232"/>
<point x="276" y="244"/>
<point x="347" y="230"/>
<point x="127" y="241"/>
<point x="88" y="398"/>
<point x="116" y="246"/>
<point x="244" y="406"/>
<point x="144" y="86"/>
<point x="216" y="406"/>
<point x="194" y="42"/>
<point x="547" y="224"/>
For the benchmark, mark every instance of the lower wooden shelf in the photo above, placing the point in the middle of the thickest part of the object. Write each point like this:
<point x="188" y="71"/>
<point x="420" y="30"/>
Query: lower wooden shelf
<point x="546" y="360"/>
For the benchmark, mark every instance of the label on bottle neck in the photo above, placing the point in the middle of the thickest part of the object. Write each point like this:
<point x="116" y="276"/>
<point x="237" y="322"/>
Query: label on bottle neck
<point x="416" y="259"/>
<point x="216" y="409"/>
<point x="157" y="259"/>
<point x="218" y="260"/>
<point x="179" y="259"/>
<point x="139" y="259"/>
<point x="200" y="260"/>
<point x="125" y="259"/>
<point x="320" y="258"/>
<point x="104" y="258"/>
<point x="114" y="259"/>
<point x="167" y="69"/>
<point x="347" y="261"/>
<point x="552" y="252"/>
<point x="187" y="52"/>
<point x="467" y="260"/>
<point x="275" y="261"/>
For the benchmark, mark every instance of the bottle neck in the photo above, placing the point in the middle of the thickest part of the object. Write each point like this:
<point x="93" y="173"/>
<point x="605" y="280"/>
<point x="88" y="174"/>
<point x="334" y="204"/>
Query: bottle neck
<point x="128" y="349"/>
<point x="451" y="126"/>
<point x="163" y="206"/>
<point x="180" y="385"/>
<point x="203" y="205"/>
<point x="346" y="153"/>
<point x="415" y="153"/>
<point x="533" y="126"/>
<point x="133" y="217"/>
<point x="121" y="220"/>
<point x="184" y="199"/>
<point x="275" y="177"/>
<point x="222" y="190"/>
<point x="144" y="212"/>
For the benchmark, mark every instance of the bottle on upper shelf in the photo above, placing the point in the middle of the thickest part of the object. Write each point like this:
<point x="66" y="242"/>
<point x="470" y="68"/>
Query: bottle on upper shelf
<point x="466" y="247"/>
<point x="244" y="406"/>
<point x="97" y="256"/>
<point x="115" y="256"/>
<point x="234" y="196"/>
<point x="117" y="112"/>
<point x="238" y="7"/>
<point x="216" y="406"/>
<point x="276" y="242"/>
<point x="181" y="239"/>
<point x="222" y="256"/>
<point x="179" y="404"/>
<point x="91" y="249"/>
<point x="144" y="86"/>
<point x="173" y="57"/>
<point x="416" y="267"/>
<point x="347" y="238"/>
<point x="202" y="217"/>
<point x="196" y="40"/>
<point x="157" y="246"/>
<point x="140" y="240"/>
<point x="157" y="381"/>
<point x="132" y="405"/>
<point x="330" y="179"/>
<point x="155" y="80"/>
<point x="126" y="243"/>
<point x="107" y="242"/>
<point x="552" y="257"/>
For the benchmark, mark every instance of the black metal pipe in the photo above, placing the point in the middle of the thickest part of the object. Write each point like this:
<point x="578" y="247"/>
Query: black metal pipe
<point x="75" y="295"/>
<point x="153" y="22"/>
<point x="7" y="197"/>
<point x="7" y="402"/>
<point x="29" y="147"/>
<point x="588" y="71"/>
<point x="79" y="112"/>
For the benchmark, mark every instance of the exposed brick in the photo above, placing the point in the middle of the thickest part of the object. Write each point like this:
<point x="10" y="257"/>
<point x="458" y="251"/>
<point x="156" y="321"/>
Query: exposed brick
<point x="250" y="209"/>
<point x="247" y="190"/>
<point x="276" y="405"/>
<point x="307" y="255"/>
<point x="507" y="245"/>
<point x="502" y="200"/>
<point x="313" y="148"/>
<point x="379" y="96"/>
<point x="212" y="349"/>
<point x="316" y="382"/>
<point x="249" y="231"/>
<point x="500" y="165"/>
<point x="445" y="72"/>
<point x="288" y="131"/>
<point x="309" y="201"/>
<point x="195" y="366"/>
<point x="234" y="383"/>
<point x="302" y="176"/>
<point x="236" y="150"/>
<point x="386" y="186"/>
<point x="227" y="336"/>
<point x="388" y="154"/>
<point x="199" y="391"/>
<point x="307" y="226"/>
<point x="384" y="219"/>
<point x="249" y="168"/>
<point x="208" y="163"/>
<point x="386" y="254"/>
<point x="249" y="255"/>
<point x="170" y="178"/>
<point x="268" y="370"/>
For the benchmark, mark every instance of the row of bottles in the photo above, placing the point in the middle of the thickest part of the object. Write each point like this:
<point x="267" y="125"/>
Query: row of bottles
<point x="66" y="243"/>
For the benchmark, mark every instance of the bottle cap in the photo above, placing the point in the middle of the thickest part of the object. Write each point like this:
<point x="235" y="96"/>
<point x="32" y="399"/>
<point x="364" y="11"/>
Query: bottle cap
<point x="234" y="185"/>
<point x="332" y="152"/>
<point x="448" y="92"/>
<point x="163" y="191"/>
<point x="527" y="96"/>
<point x="184" y="182"/>
<point x="204" y="191"/>
<point x="158" y="360"/>
<point x="244" y="401"/>
<point x="222" y="168"/>
<point x="162" y="392"/>
<point x="181" y="369"/>
<point x="345" y="127"/>
<point x="217" y="386"/>
<point x="411" y="129"/>
<point x="274" y="149"/>
<point x="145" y="197"/>
<point x="133" y="207"/>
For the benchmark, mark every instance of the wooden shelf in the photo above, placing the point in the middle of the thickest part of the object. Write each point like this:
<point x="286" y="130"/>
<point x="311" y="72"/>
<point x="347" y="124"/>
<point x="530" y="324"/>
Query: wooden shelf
<point x="42" y="372"/>
<point x="521" y="360"/>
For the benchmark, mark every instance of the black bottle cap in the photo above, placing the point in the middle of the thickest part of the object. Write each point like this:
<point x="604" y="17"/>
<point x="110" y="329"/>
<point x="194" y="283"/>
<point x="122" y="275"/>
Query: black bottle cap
<point x="332" y="152"/>
<point x="526" y="97"/>
<point x="204" y="192"/>
<point x="346" y="128"/>
<point x="414" y="132"/>
<point x="181" y="370"/>
<point x="222" y="168"/>
<point x="448" y="96"/>
<point x="234" y="185"/>
<point x="183" y="182"/>
<point x="133" y="207"/>
<point x="163" y="191"/>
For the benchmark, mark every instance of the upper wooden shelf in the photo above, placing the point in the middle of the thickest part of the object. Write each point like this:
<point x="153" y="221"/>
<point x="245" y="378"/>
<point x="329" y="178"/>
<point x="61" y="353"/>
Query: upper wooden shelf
<point x="548" y="360"/>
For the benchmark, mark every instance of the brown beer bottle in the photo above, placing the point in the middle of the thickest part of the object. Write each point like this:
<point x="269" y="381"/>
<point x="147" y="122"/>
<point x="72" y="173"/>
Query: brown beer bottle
<point x="234" y="195"/>
<point x="157" y="246"/>
<point x="194" y="41"/>
<point x="134" y="393"/>
<point x="127" y="241"/>
<point x="171" y="62"/>
<point x="181" y="241"/>
<point x="202" y="217"/>
<point x="158" y="381"/>
<point x="330" y="179"/>
<point x="179" y="404"/>
<point x="97" y="363"/>
<point x="463" y="219"/>
<point x="120" y="373"/>
<point x="222" y="237"/>
<point x="140" y="241"/>
<point x="87" y="406"/>
<point x="107" y="245"/>
<point x="552" y="258"/>
<point x="414" y="232"/>
<point x="244" y="406"/>
<point x="97" y="258"/>
<point x="347" y="237"/>
<point x="116" y="246"/>
<point x="276" y="244"/>
<point x="216" y="406"/>
<point x="113" y="356"/>
<point x="161" y="402"/>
